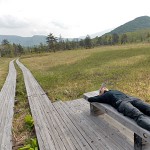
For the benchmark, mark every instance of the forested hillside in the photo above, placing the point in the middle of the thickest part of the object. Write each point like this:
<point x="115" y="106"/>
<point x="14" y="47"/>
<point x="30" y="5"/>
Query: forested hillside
<point x="137" y="30"/>
<point x="132" y="26"/>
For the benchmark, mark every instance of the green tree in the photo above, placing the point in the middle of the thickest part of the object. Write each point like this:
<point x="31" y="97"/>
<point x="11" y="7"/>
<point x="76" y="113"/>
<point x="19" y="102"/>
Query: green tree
<point x="18" y="49"/>
<point x="124" y="39"/>
<point x="61" y="43"/>
<point x="148" y="36"/>
<point x="115" y="38"/>
<point x="99" y="41"/>
<point x="88" y="42"/>
<point x="5" y="42"/>
<point x="51" y="41"/>
<point x="67" y="45"/>
<point x="109" y="40"/>
<point x="42" y="47"/>
<point x="81" y="43"/>
<point x="6" y="48"/>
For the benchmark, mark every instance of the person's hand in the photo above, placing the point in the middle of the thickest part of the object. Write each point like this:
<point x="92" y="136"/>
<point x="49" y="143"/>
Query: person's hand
<point x="102" y="90"/>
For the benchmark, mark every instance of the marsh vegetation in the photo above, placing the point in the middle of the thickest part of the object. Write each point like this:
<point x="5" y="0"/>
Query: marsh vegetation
<point x="67" y="75"/>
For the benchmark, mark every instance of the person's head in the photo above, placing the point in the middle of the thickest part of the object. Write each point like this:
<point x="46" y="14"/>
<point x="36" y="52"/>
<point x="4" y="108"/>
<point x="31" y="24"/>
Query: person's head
<point x="103" y="90"/>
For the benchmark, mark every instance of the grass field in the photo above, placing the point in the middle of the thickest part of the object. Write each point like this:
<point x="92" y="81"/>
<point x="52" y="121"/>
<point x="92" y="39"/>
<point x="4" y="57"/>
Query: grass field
<point x="67" y="75"/>
<point x="4" y="63"/>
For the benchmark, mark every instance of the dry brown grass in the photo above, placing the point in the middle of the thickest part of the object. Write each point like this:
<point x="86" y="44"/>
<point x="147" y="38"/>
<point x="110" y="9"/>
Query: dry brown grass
<point x="48" y="60"/>
<point x="4" y="63"/>
<point x="67" y="75"/>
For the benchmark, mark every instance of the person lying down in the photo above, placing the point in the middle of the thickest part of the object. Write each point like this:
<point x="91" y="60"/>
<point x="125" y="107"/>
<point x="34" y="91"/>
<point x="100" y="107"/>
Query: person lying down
<point x="132" y="107"/>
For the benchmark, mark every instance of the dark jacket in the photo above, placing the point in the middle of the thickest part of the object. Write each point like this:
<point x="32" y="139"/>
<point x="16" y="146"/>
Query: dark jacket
<point x="132" y="107"/>
<point x="112" y="97"/>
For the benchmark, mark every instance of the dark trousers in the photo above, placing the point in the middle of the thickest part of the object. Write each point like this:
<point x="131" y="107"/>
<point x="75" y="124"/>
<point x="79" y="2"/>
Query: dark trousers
<point x="137" y="110"/>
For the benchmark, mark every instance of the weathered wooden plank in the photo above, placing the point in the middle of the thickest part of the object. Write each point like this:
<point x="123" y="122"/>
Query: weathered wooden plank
<point x="82" y="119"/>
<point x="76" y="131"/>
<point x="52" y="125"/>
<point x="62" y="132"/>
<point x="39" y="124"/>
<point x="114" y="137"/>
<point x="57" y="126"/>
<point x="40" y="105"/>
<point x="86" y="124"/>
<point x="49" y="116"/>
<point x="107" y="134"/>
<point x="7" y="97"/>
<point x="44" y="138"/>
<point x="82" y="104"/>
<point x="67" y="134"/>
<point x="49" y="119"/>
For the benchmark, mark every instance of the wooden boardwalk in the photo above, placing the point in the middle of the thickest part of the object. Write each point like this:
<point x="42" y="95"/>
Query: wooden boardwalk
<point x="69" y="125"/>
<point x="7" y="96"/>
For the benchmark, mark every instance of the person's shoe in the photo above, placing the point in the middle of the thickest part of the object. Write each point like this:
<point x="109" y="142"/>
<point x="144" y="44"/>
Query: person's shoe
<point x="144" y="122"/>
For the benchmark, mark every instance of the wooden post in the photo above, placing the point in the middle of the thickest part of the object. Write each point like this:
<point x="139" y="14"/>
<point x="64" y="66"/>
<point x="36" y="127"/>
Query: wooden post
<point x="95" y="111"/>
<point x="140" y="144"/>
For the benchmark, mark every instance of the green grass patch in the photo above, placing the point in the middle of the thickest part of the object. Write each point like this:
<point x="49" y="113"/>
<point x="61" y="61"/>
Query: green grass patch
<point x="4" y="66"/>
<point x="32" y="145"/>
<point x="67" y="75"/>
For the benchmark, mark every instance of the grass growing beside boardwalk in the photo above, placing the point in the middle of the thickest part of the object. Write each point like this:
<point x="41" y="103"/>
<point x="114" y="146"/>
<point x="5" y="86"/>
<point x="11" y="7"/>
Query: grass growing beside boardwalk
<point x="4" y="66"/>
<point x="67" y="75"/>
<point x="21" y="132"/>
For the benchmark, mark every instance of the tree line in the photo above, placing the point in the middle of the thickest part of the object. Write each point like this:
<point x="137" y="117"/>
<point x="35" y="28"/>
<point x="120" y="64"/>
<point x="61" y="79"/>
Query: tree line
<point x="54" y="43"/>
<point x="10" y="50"/>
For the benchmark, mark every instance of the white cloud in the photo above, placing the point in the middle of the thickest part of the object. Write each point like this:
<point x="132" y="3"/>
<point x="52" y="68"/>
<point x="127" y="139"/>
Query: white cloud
<point x="60" y="25"/>
<point x="70" y="18"/>
<point x="8" y="21"/>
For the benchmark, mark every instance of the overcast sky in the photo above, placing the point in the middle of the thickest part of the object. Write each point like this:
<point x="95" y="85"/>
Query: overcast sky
<point x="68" y="18"/>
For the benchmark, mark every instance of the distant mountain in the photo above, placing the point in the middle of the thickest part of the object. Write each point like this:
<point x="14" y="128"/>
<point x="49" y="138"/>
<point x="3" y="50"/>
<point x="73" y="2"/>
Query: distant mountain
<point x="140" y="23"/>
<point x="132" y="26"/>
<point x="100" y="33"/>
<point x="96" y="34"/>
<point x="24" y="41"/>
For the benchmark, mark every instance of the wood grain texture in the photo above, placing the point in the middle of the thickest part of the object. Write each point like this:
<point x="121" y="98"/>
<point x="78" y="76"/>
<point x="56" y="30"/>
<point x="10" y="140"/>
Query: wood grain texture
<point x="7" y="97"/>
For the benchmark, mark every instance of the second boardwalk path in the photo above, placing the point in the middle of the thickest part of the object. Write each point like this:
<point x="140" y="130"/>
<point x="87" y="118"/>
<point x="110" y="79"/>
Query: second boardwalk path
<point x="51" y="134"/>
<point x="60" y="127"/>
